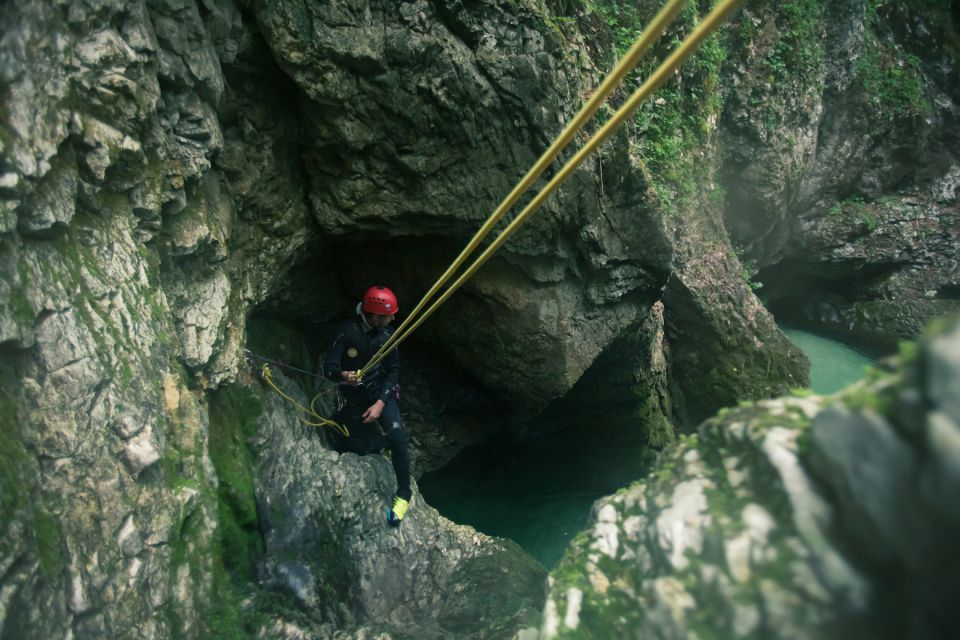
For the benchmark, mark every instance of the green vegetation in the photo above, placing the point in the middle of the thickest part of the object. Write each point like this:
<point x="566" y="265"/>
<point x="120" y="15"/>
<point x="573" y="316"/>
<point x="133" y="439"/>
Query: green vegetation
<point x="790" y="36"/>
<point x="671" y="128"/>
<point x="856" y="209"/>
<point x="891" y="79"/>
<point x="798" y="53"/>
<point x="233" y="419"/>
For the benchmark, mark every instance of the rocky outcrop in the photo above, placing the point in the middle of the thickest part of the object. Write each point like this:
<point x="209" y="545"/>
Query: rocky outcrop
<point x="791" y="518"/>
<point x="327" y="546"/>
<point x="901" y="261"/>
<point x="842" y="167"/>
<point x="167" y="167"/>
<point x="131" y="203"/>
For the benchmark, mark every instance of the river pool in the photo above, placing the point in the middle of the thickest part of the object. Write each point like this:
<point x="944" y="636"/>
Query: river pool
<point x="538" y="493"/>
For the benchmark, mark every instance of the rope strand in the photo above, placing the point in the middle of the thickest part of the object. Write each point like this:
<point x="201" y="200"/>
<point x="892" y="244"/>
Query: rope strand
<point x="653" y="31"/>
<point x="686" y="48"/>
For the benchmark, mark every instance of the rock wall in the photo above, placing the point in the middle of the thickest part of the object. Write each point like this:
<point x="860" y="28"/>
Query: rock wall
<point x="167" y="166"/>
<point x="841" y="126"/>
<point x="791" y="518"/>
<point x="423" y="116"/>
<point x="133" y="213"/>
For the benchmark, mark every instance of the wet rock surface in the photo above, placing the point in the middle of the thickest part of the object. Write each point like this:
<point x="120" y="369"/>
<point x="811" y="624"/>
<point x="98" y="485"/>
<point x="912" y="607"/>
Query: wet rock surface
<point x="327" y="544"/>
<point x="168" y="167"/>
<point x="797" y="517"/>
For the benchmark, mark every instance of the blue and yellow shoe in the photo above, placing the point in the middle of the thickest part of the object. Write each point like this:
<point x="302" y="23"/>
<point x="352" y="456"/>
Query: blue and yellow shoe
<point x="399" y="510"/>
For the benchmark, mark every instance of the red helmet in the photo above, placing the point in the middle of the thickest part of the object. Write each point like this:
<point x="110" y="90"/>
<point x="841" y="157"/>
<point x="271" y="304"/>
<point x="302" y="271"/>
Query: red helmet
<point x="380" y="300"/>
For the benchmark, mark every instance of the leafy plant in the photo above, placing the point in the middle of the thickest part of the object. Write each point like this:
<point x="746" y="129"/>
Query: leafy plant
<point x="671" y="127"/>
<point x="892" y="80"/>
<point x="748" y="269"/>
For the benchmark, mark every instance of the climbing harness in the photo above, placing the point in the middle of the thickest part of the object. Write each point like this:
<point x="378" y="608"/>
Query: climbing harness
<point x="686" y="48"/>
<point x="266" y="374"/>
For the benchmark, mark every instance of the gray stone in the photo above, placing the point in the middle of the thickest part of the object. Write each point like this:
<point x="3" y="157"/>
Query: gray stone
<point x="942" y="365"/>
<point x="872" y="470"/>
<point x="940" y="479"/>
<point x="448" y="579"/>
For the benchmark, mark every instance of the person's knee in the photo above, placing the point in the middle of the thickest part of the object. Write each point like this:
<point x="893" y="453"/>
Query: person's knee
<point x="396" y="436"/>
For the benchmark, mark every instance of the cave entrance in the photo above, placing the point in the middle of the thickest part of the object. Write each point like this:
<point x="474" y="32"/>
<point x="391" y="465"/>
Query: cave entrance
<point x="476" y="457"/>
<point x="805" y="300"/>
<point x="536" y="483"/>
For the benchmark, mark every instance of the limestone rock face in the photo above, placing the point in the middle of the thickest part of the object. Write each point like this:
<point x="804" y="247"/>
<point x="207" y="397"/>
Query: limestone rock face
<point x="327" y="545"/>
<point x="422" y="116"/>
<point x="126" y="174"/>
<point x="903" y="254"/>
<point x="796" y="517"/>
<point x="843" y="168"/>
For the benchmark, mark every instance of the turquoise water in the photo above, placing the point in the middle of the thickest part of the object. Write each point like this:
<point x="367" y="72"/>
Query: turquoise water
<point x="833" y="364"/>
<point x="539" y="493"/>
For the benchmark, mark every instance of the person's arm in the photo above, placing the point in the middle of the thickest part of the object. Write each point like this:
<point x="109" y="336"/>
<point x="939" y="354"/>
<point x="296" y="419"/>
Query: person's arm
<point x="334" y="358"/>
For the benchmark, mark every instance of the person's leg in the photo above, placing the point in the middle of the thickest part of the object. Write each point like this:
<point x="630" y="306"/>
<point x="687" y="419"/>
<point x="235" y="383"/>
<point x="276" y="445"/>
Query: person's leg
<point x="363" y="438"/>
<point x="396" y="440"/>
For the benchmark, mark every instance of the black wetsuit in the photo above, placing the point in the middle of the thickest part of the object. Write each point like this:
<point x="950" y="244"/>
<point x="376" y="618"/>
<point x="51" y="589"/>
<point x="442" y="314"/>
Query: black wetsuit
<point x="355" y="343"/>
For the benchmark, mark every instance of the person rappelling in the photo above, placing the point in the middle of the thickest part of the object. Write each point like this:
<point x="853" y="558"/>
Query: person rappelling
<point x="363" y="359"/>
<point x="368" y="401"/>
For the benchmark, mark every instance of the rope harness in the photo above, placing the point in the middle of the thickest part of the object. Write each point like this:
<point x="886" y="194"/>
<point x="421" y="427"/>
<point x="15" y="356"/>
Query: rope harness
<point x="653" y="31"/>
<point x="266" y="374"/>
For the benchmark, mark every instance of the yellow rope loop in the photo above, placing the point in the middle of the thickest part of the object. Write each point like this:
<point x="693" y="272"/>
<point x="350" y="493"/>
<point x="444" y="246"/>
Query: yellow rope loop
<point x="686" y="48"/>
<point x="342" y="428"/>
<point x="321" y="421"/>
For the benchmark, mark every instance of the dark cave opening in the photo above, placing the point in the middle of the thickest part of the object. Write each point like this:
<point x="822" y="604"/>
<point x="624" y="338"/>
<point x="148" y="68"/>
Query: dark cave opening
<point x="819" y="298"/>
<point x="471" y="441"/>
<point x="443" y="404"/>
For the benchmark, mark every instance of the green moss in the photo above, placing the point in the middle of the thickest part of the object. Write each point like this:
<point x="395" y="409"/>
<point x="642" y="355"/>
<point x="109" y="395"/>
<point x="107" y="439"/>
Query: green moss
<point x="892" y="80"/>
<point x="658" y="431"/>
<point x="49" y="542"/>
<point x="19" y="303"/>
<point x="226" y="617"/>
<point x="14" y="467"/>
<point x="233" y="418"/>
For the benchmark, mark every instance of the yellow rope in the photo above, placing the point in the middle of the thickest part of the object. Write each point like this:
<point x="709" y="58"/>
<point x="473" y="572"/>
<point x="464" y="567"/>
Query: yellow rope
<point x="653" y="31"/>
<point x="321" y="421"/>
<point x="653" y="82"/>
